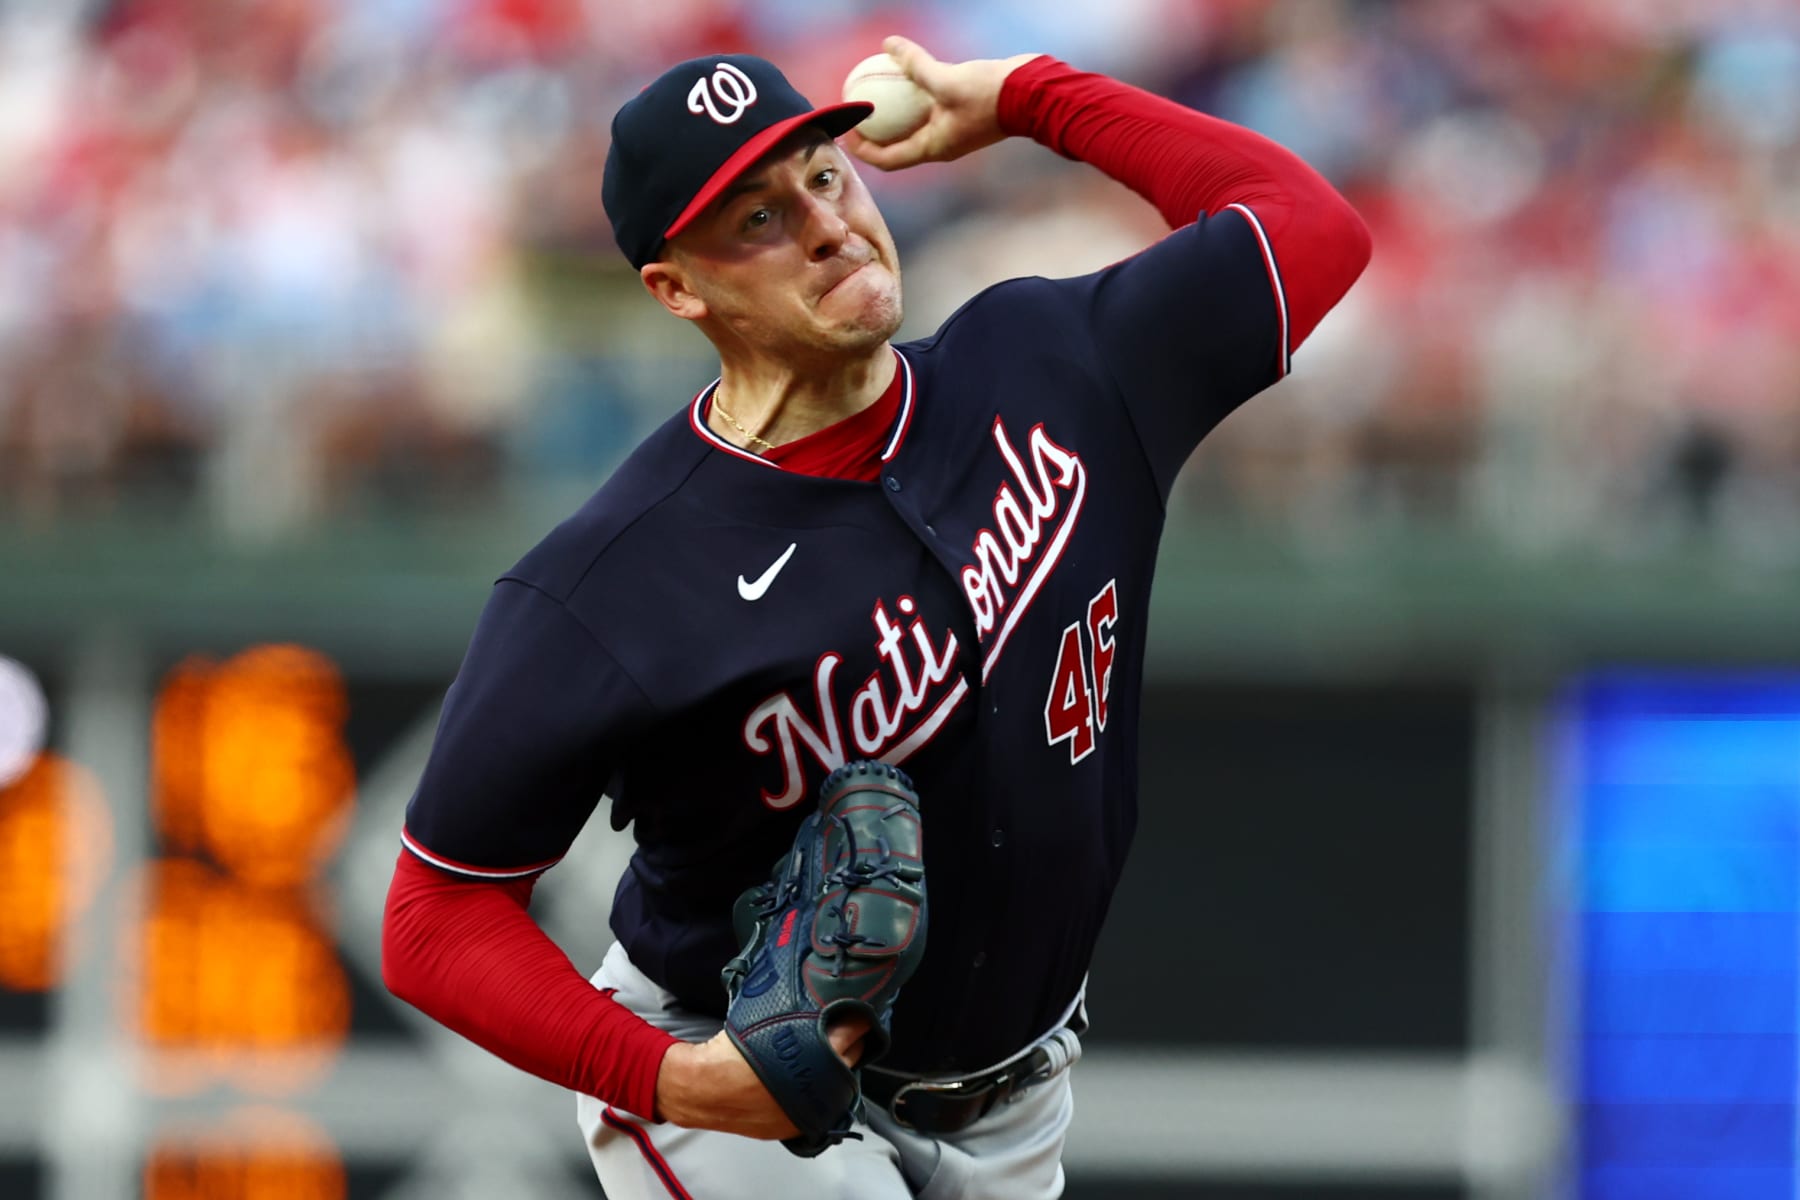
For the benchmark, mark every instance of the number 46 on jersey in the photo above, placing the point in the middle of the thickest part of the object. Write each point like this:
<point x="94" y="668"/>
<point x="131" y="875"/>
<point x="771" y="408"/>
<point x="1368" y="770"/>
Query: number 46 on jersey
<point x="1075" y="709"/>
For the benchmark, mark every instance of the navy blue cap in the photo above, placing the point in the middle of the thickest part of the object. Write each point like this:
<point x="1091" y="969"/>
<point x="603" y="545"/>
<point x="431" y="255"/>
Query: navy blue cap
<point x="681" y="141"/>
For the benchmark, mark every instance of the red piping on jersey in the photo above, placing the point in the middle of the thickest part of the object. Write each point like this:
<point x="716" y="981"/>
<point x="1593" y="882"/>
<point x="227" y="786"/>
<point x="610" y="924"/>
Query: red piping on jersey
<point x="467" y="953"/>
<point x="638" y="1134"/>
<point x="462" y="868"/>
<point x="1187" y="163"/>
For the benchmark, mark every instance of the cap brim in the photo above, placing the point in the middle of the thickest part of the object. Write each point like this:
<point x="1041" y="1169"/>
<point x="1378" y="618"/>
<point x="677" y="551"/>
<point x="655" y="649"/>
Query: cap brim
<point x="835" y="119"/>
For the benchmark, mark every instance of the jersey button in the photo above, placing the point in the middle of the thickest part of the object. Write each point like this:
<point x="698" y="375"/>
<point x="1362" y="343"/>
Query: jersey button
<point x="999" y="838"/>
<point x="893" y="485"/>
<point x="980" y="957"/>
<point x="930" y="532"/>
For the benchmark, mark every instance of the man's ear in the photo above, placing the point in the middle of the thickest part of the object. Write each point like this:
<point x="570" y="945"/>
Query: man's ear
<point x="668" y="283"/>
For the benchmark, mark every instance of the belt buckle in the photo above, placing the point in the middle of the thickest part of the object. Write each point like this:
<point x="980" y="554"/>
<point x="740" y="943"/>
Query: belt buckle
<point x="1040" y="1072"/>
<point x="984" y="1094"/>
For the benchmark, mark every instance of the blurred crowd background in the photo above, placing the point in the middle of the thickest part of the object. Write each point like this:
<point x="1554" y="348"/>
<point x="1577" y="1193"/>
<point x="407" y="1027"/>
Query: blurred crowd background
<point x="271" y="263"/>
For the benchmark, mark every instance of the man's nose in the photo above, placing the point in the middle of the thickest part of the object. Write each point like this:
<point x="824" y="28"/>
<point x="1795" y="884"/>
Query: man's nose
<point x="826" y="231"/>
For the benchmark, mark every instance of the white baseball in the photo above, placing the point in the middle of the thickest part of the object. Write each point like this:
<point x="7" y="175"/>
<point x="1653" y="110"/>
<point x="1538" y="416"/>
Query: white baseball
<point x="901" y="105"/>
<point x="23" y="720"/>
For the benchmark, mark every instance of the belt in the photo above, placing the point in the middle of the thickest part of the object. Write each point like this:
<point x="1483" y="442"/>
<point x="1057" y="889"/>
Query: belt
<point x="944" y="1106"/>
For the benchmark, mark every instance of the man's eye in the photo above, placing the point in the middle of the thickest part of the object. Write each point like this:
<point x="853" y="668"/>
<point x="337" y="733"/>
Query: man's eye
<point x="757" y="218"/>
<point x="825" y="177"/>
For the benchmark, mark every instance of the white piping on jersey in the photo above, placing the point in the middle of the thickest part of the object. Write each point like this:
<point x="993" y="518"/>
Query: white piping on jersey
<point x="1286" y="356"/>
<point x="906" y="404"/>
<point x="697" y="417"/>
<point x="473" y="872"/>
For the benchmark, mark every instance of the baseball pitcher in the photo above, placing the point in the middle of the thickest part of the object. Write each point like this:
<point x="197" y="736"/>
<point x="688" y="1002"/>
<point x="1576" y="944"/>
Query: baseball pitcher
<point x="853" y="644"/>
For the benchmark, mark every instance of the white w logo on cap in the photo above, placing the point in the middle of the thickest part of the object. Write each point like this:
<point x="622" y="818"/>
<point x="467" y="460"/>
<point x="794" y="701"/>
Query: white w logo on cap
<point x="727" y="88"/>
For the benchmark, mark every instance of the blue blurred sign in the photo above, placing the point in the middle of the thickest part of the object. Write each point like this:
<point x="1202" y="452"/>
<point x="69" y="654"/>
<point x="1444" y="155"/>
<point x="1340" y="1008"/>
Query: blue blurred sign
<point x="1686" y="808"/>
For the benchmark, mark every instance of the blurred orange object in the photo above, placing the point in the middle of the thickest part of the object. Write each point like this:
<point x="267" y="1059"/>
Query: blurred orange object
<point x="256" y="1154"/>
<point x="55" y="848"/>
<point x="227" y="980"/>
<point x="251" y="767"/>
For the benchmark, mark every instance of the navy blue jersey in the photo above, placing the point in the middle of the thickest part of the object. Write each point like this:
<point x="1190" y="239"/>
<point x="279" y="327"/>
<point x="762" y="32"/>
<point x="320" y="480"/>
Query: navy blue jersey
<point x="710" y="635"/>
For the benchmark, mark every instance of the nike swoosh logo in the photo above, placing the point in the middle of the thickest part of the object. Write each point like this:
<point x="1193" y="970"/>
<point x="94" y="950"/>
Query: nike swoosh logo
<point x="754" y="591"/>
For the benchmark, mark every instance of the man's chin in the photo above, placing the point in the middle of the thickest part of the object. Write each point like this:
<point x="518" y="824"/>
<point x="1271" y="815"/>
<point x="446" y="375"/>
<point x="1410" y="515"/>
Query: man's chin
<point x="875" y="320"/>
<point x="868" y="334"/>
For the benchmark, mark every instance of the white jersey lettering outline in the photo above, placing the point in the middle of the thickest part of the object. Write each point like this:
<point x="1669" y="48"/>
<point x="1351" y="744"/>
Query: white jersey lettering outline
<point x="792" y="728"/>
<point x="876" y="720"/>
<point x="1021" y="518"/>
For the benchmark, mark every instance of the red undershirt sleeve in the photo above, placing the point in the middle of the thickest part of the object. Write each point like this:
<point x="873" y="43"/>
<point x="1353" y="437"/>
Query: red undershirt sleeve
<point x="1187" y="163"/>
<point x="468" y="954"/>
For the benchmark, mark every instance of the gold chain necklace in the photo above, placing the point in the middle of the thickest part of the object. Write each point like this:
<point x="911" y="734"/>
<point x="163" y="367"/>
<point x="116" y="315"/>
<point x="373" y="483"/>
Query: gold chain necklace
<point x="754" y="440"/>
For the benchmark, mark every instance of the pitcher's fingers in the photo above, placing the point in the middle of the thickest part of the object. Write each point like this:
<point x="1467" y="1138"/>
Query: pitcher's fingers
<point x="846" y="1039"/>
<point x="915" y="60"/>
<point x="909" y="151"/>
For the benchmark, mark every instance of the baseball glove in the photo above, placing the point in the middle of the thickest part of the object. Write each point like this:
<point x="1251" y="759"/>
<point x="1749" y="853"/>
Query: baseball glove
<point x="834" y="933"/>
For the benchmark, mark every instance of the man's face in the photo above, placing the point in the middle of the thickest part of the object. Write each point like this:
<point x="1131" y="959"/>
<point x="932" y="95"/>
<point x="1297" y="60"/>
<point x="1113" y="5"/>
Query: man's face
<point x="793" y="258"/>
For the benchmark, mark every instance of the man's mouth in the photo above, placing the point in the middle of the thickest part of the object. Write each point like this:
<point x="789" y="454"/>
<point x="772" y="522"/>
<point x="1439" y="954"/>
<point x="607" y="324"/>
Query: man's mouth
<point x="852" y="271"/>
